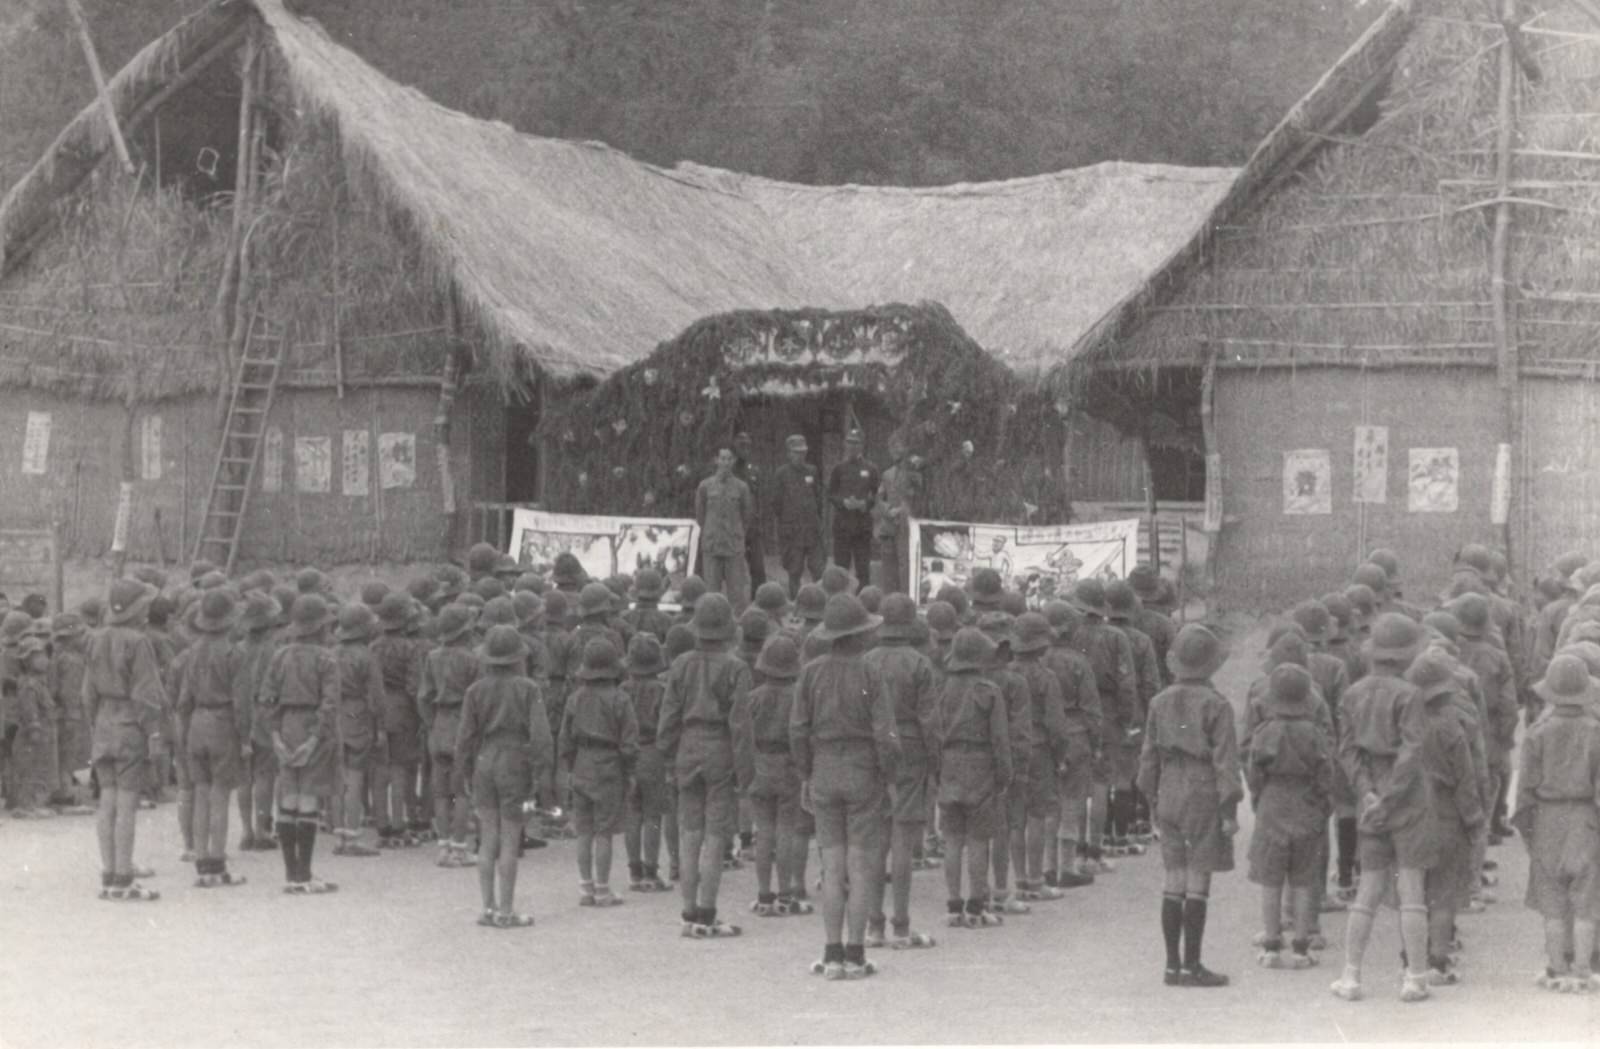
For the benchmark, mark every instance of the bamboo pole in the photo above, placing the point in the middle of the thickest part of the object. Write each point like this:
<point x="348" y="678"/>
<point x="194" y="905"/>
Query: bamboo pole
<point x="101" y="91"/>
<point x="1505" y="338"/>
<point x="1069" y="429"/>
<point x="1151" y="523"/>
<point x="228" y="295"/>
<point x="338" y="342"/>
<point x="1208" y="436"/>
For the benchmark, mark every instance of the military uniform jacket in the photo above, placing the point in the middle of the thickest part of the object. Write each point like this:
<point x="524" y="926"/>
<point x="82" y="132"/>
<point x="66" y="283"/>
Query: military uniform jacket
<point x="587" y="631"/>
<point x="66" y="683"/>
<point x="1080" y="695"/>
<point x="841" y="705"/>
<point x="909" y="678"/>
<point x="599" y="735"/>
<point x="1189" y="763"/>
<point x="256" y="652"/>
<point x="853" y="479"/>
<point x="360" y="695"/>
<point x="1560" y="764"/>
<point x="763" y="760"/>
<point x="447" y="673"/>
<point x="1019" y="715"/>
<point x="975" y="760"/>
<point x="504" y="710"/>
<point x="695" y="731"/>
<point x="726" y="511"/>
<point x="1499" y="688"/>
<point x="797" y="505"/>
<point x="645" y="693"/>
<point x="1147" y="672"/>
<point x="300" y="699"/>
<point x="123" y="695"/>
<point x="1047" y="721"/>
<point x="34" y="707"/>
<point x="1161" y="630"/>
<point x="1447" y="761"/>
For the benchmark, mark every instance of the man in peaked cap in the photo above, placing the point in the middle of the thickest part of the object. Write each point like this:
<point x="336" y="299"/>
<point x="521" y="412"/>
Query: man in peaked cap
<point x="755" y="545"/>
<point x="725" y="511"/>
<point x="797" y="509"/>
<point x="842" y="735"/>
<point x="852" y="492"/>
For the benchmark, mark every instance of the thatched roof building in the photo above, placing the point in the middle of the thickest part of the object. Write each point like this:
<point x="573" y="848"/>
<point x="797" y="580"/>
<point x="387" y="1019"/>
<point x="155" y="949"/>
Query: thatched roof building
<point x="1406" y="250"/>
<point x="399" y="249"/>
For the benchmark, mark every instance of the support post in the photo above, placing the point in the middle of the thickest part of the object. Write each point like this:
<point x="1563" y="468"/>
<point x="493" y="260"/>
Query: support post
<point x="101" y="92"/>
<point x="1069" y="423"/>
<point x="1212" y="523"/>
<point x="231" y="322"/>
<point x="1504" y="334"/>
<point x="1152" y="525"/>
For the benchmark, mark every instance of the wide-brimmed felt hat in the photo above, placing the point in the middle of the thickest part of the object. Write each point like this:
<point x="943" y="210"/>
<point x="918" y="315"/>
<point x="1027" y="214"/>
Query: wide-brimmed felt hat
<point x="1395" y="640"/>
<point x="1196" y="653"/>
<point x="127" y="599"/>
<point x="600" y="661"/>
<point x="870" y="597"/>
<point x="645" y="656"/>
<point x="261" y="612"/>
<point x="648" y="585"/>
<point x="594" y="600"/>
<point x="955" y="597"/>
<point x="997" y="627"/>
<point x="845" y="616"/>
<point x="13" y="625"/>
<point x="532" y="582"/>
<point x="67" y="624"/>
<point x="971" y="650"/>
<point x="503" y="646"/>
<point x="1289" y="684"/>
<point x="899" y="614"/>
<point x="214" y="613"/>
<point x="310" y="581"/>
<point x="394" y="611"/>
<point x="1089" y="595"/>
<point x="811" y="602"/>
<point x="357" y="622"/>
<point x="1588" y="651"/>
<point x="1373" y="577"/>
<point x="1387" y="560"/>
<point x="985" y="588"/>
<point x="31" y="646"/>
<point x="942" y="620"/>
<point x="835" y="580"/>
<point x="1363" y="602"/>
<point x="1032" y="632"/>
<point x="527" y="606"/>
<point x="755" y="626"/>
<point x="1314" y="620"/>
<point x="499" y="612"/>
<point x="1063" y="617"/>
<point x="453" y="621"/>
<point x="1289" y="648"/>
<point x="779" y="659"/>
<point x="507" y="567"/>
<point x="1121" y="601"/>
<point x="307" y="616"/>
<point x="680" y="639"/>
<point x="772" y="599"/>
<point x="373" y="593"/>
<point x="713" y="619"/>
<point x="1433" y="675"/>
<point x="1443" y="624"/>
<point x="1566" y="682"/>
<point x="568" y="570"/>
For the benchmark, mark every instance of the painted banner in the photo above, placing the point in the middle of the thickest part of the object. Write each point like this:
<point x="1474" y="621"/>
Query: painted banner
<point x="36" y="443"/>
<point x="1372" y="464"/>
<point x="272" y="460"/>
<point x="1434" y="481"/>
<point x="1500" y="495"/>
<point x="397" y="460"/>
<point x="606" y="546"/>
<point x="28" y="564"/>
<point x="150" y="448"/>
<point x="1037" y="560"/>
<point x="313" y="463"/>
<point x="356" y="476"/>
<point x="1213" y="512"/>
<point x="1307" y="481"/>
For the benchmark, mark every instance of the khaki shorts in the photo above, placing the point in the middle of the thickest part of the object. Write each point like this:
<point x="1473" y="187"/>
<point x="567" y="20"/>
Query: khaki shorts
<point x="1276" y="859"/>
<point x="1044" y="787"/>
<point x="1183" y="847"/>
<point x="911" y="794"/>
<point x="972" y="820"/>
<point x="502" y="781"/>
<point x="647" y="792"/>
<point x="122" y="773"/>
<point x="446" y="777"/>
<point x="597" y="808"/>
<point x="707" y="807"/>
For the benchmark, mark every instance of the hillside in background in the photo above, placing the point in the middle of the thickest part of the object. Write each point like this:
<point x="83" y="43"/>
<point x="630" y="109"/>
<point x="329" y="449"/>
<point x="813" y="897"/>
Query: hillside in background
<point x="822" y="91"/>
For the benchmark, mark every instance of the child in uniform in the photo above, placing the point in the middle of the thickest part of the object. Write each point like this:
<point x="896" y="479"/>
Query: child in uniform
<point x="447" y="673"/>
<point x="974" y="767"/>
<point x="1123" y="808"/>
<point x="299" y="701"/>
<point x="70" y="638"/>
<point x="1110" y="653"/>
<point x="503" y="747"/>
<point x="34" y="750"/>
<point x="647" y="789"/>
<point x="361" y="733"/>
<point x="1080" y="699"/>
<point x="1048" y="754"/>
<point x="1011" y="814"/>
<point x="646" y="615"/>
<point x="599" y="745"/>
<point x="213" y="733"/>
<point x="258" y="780"/>
<point x="766" y="772"/>
<point x="1189" y="768"/>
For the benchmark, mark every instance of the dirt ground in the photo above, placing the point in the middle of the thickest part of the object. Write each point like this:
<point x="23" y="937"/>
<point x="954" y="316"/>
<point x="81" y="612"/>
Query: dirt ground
<point x="394" y="958"/>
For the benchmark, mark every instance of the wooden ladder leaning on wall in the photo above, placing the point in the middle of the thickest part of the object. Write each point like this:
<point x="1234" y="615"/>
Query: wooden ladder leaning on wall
<point x="244" y="429"/>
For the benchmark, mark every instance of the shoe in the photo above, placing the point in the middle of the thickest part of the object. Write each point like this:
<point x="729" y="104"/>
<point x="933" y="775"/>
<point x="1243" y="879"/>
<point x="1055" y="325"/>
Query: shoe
<point x="859" y="970"/>
<point x="1476" y="905"/>
<point x="487" y="917"/>
<point x="1100" y="865"/>
<point x="1259" y="940"/>
<point x="1581" y="983"/>
<point x="1331" y="904"/>
<point x="1317" y="942"/>
<point x="604" y="897"/>
<point x="134" y="893"/>
<point x="205" y="881"/>
<point x="984" y="920"/>
<point x="1549" y="979"/>
<point x="1414" y="987"/>
<point x="875" y="937"/>
<point x="1345" y="894"/>
<point x="1200" y="976"/>
<point x="912" y="941"/>
<point x="143" y="872"/>
<point x="512" y="920"/>
<point x="768" y="909"/>
<point x="957" y="921"/>
<point x="1446" y="977"/>
<point x="1173" y="978"/>
<point x="828" y="970"/>
<point x="1297" y="960"/>
<point x="1073" y="879"/>
<point x="717" y="928"/>
<point x="1270" y="959"/>
<point x="1347" y="986"/>
<point x="1008" y="905"/>
<point x="228" y="880"/>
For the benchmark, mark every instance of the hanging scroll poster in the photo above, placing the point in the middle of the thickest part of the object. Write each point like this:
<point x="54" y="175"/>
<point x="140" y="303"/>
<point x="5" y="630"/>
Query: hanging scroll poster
<point x="313" y="463"/>
<point x="36" y="443"/>
<point x="150" y="448"/>
<point x="272" y="460"/>
<point x="356" y="477"/>
<point x="1371" y="464"/>
<point x="1307" y="482"/>
<point x="1434" y="481"/>
<point x="397" y="460"/>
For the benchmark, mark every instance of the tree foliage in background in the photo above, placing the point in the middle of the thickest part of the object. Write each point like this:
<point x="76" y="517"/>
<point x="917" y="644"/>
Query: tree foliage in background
<point x="910" y="92"/>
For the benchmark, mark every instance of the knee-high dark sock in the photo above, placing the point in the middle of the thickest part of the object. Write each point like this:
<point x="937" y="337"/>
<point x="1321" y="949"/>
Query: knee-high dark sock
<point x="308" y="844"/>
<point x="1194" y="930"/>
<point x="1127" y="804"/>
<point x="1108" y="826"/>
<point x="289" y="842"/>
<point x="1172" y="926"/>
<point x="1346" y="832"/>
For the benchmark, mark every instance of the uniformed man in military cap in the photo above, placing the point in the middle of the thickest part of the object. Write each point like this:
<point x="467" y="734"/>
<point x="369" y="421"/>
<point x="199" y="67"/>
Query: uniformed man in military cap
<point x="853" y="490"/>
<point x="797" y="507"/>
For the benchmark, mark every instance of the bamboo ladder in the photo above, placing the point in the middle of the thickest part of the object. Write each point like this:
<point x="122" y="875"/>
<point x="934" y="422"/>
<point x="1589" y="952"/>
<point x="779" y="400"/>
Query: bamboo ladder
<point x="254" y="388"/>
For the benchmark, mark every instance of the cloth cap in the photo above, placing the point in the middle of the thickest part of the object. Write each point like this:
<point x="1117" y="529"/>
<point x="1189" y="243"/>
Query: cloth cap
<point x="503" y="646"/>
<point x="796" y="442"/>
<point x="855" y="436"/>
<point x="971" y="650"/>
<point x="600" y="661"/>
<point x="780" y="659"/>
<point x="845" y="616"/>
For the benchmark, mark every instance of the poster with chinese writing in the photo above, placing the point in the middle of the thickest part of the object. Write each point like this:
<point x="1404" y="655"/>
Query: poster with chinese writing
<point x="313" y="463"/>
<point x="272" y="460"/>
<point x="356" y="476"/>
<point x="1500" y="495"/>
<point x="1036" y="561"/>
<point x="1307" y="481"/>
<point x="1434" y="481"/>
<point x="150" y="448"/>
<point x="397" y="460"/>
<point x="1372" y="464"/>
<point x="36" y="443"/>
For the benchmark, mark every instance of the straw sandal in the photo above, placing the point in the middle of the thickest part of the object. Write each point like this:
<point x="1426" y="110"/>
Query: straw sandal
<point x="912" y="941"/>
<point x="512" y="920"/>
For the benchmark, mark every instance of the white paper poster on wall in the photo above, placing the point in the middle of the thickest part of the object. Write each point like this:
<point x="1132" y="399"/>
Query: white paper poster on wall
<point x="948" y="552"/>
<point x="606" y="545"/>
<point x="1213" y="512"/>
<point x="397" y="460"/>
<point x="1500" y="496"/>
<point x="313" y="463"/>
<point x="1371" y="471"/>
<point x="36" y="443"/>
<point x="119" y="528"/>
<point x="150" y="448"/>
<point x="356" y="476"/>
<point x="272" y="460"/>
<point x="1434" y="481"/>
<point x="1307" y="481"/>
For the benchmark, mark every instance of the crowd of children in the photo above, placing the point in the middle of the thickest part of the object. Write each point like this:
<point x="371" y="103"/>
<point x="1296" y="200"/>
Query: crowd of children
<point x="1021" y="747"/>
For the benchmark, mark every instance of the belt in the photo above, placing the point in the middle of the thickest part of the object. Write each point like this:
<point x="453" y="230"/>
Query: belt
<point x="966" y="744"/>
<point x="772" y="747"/>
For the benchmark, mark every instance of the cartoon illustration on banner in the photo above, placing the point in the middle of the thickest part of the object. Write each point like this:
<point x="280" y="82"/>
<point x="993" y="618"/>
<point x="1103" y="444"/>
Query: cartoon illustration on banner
<point x="1038" y="561"/>
<point x="1434" y="481"/>
<point x="313" y="463"/>
<point x="397" y="460"/>
<point x="1307" y="481"/>
<point x="606" y="546"/>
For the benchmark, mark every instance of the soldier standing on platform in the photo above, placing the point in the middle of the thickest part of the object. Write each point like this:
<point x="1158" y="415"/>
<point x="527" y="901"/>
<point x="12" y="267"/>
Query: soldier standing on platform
<point x="797" y="506"/>
<point x="853" y="489"/>
<point x="755" y="544"/>
<point x="725" y="510"/>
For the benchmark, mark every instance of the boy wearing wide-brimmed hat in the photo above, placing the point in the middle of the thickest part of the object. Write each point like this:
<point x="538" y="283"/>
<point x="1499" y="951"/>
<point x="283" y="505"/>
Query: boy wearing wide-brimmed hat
<point x="645" y="801"/>
<point x="695" y="736"/>
<point x="1048" y="754"/>
<point x="1379" y="744"/>
<point x="213" y="728"/>
<point x="646" y="615"/>
<point x="362" y="737"/>
<point x="1497" y="680"/>
<point x="1557" y="788"/>
<point x="69" y="641"/>
<point x="1110" y="653"/>
<point x="504" y="748"/>
<point x="397" y="659"/>
<point x="34" y="748"/>
<point x="447" y="672"/>
<point x="1189" y="768"/>
<point x="974" y="768"/>
<point x="842" y="735"/>
<point x="1127" y="809"/>
<point x="256" y="641"/>
<point x="1011" y="813"/>
<point x="1081" y="714"/>
<point x="766" y="772"/>
<point x="299" y="702"/>
<point x="909" y="678"/>
<point x="809" y="607"/>
<point x="690" y="591"/>
<point x="125" y="702"/>
<point x="598" y="746"/>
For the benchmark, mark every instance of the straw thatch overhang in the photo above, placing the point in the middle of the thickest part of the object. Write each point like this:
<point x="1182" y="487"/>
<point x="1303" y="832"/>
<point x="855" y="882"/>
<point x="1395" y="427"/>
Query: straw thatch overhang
<point x="572" y="260"/>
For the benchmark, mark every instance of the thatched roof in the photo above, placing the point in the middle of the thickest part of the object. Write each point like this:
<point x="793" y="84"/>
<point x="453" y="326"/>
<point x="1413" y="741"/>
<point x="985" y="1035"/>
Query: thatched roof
<point x="584" y="259"/>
